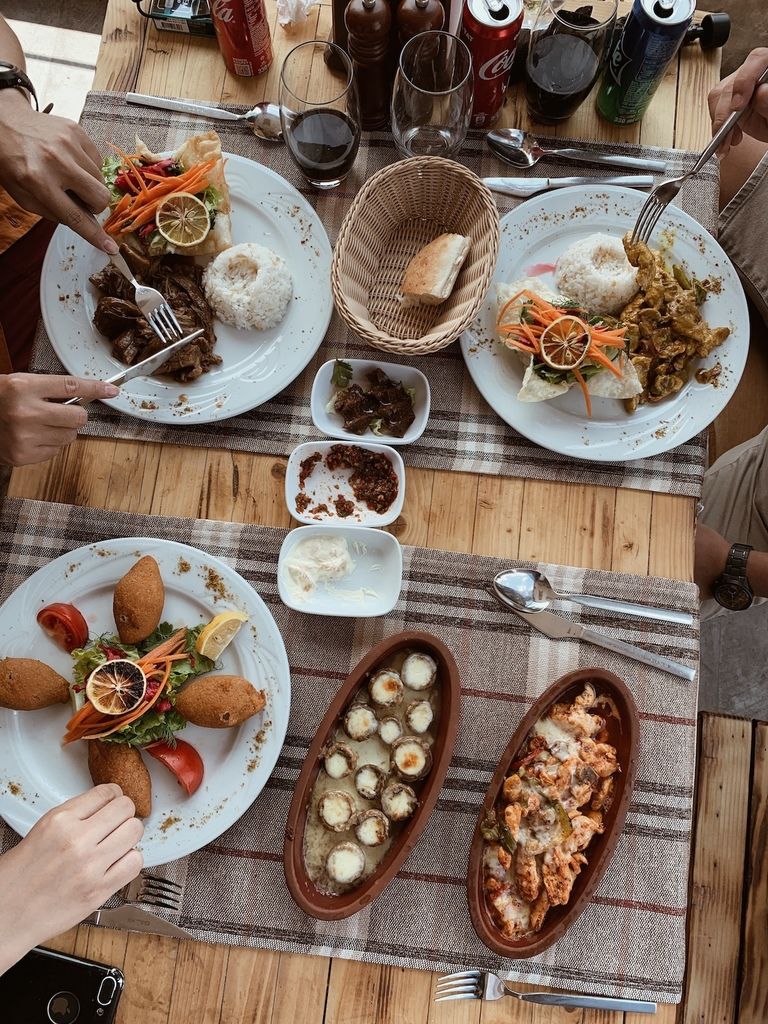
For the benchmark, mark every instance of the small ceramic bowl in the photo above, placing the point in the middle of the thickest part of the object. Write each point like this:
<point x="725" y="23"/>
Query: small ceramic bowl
<point x="330" y="423"/>
<point x="333" y="908"/>
<point x="323" y="486"/>
<point x="623" y="729"/>
<point x="372" y="588"/>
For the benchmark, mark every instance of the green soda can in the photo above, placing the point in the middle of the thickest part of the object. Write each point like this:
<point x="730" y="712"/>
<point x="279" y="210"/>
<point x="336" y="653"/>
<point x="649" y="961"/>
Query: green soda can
<point x="642" y="52"/>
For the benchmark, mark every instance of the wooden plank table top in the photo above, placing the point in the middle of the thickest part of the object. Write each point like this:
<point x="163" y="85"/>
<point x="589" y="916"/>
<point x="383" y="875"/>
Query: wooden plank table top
<point x="171" y="982"/>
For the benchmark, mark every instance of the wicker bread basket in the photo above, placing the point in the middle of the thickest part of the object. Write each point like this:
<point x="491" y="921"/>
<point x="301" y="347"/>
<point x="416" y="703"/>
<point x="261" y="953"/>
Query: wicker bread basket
<point x="400" y="209"/>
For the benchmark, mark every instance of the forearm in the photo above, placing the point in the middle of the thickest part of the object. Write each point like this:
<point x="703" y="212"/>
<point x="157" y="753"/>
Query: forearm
<point x="738" y="165"/>
<point x="10" y="47"/>
<point x="757" y="572"/>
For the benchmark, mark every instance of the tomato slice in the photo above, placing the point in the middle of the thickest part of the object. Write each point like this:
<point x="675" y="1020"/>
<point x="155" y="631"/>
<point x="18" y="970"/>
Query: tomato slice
<point x="182" y="760"/>
<point x="64" y="624"/>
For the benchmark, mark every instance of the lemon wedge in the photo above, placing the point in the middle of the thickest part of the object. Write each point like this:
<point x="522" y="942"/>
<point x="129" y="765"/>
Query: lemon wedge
<point x="219" y="633"/>
<point x="183" y="220"/>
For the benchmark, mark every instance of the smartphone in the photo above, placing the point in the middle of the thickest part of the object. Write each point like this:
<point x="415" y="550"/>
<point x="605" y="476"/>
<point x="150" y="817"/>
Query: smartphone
<point x="47" y="987"/>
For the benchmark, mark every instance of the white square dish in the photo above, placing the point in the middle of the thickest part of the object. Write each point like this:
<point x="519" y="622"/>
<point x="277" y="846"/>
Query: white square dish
<point x="323" y="486"/>
<point x="332" y="424"/>
<point x="371" y="588"/>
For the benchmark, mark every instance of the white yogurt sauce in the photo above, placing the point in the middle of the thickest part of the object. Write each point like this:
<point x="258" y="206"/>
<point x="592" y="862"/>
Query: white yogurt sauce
<point x="314" y="561"/>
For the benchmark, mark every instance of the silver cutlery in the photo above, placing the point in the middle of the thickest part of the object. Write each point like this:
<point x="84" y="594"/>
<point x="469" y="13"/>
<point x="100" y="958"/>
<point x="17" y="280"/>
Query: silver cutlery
<point x="147" y="366"/>
<point x="558" y="628"/>
<point x="531" y="591"/>
<point x="663" y="194"/>
<point x="151" y="302"/>
<point x="263" y="119"/>
<point x="521" y="149"/>
<point x="486" y="986"/>
<point x="146" y="890"/>
<point x="525" y="187"/>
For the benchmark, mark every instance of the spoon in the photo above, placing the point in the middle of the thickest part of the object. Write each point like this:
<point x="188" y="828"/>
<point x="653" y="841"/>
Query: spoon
<point x="531" y="591"/>
<point x="521" y="149"/>
<point x="263" y="119"/>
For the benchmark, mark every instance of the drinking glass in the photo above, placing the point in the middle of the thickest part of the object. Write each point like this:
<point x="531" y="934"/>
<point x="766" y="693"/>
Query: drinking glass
<point x="320" y="115"/>
<point x="566" y="50"/>
<point x="432" y="98"/>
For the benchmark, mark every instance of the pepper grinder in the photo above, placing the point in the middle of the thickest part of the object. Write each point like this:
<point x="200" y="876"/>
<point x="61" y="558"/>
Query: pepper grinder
<point x="368" y="24"/>
<point x="415" y="16"/>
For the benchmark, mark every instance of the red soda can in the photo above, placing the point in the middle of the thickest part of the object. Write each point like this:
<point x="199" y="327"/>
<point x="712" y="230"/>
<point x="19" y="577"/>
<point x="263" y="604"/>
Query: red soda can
<point x="490" y="29"/>
<point x="243" y="34"/>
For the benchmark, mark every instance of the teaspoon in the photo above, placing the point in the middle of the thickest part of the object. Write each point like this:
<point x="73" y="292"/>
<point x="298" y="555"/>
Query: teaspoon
<point x="521" y="149"/>
<point x="263" y="119"/>
<point x="531" y="591"/>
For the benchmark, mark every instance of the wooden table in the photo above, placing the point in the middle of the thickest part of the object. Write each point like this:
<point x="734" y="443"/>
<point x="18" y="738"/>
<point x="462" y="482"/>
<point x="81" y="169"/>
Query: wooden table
<point x="622" y="530"/>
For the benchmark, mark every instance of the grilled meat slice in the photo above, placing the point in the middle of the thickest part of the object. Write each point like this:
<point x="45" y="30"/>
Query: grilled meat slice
<point x="114" y="316"/>
<point x="111" y="283"/>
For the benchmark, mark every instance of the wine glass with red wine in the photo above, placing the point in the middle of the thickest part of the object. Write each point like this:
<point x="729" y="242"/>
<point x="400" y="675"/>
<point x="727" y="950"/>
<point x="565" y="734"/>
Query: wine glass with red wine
<point x="566" y="50"/>
<point x="320" y="115"/>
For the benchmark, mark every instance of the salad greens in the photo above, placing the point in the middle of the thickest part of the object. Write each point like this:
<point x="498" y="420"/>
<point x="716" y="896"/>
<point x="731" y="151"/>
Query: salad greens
<point x="162" y="720"/>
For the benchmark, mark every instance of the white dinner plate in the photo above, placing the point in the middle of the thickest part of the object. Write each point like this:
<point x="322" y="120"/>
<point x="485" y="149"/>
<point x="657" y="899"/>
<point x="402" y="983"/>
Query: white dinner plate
<point x="37" y="773"/>
<point x="256" y="365"/>
<point x="538" y="232"/>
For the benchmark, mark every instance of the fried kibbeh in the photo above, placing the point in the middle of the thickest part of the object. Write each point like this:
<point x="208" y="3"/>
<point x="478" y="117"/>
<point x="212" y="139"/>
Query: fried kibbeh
<point x="27" y="685"/>
<point x="219" y="702"/>
<point x="138" y="601"/>
<point x="123" y="765"/>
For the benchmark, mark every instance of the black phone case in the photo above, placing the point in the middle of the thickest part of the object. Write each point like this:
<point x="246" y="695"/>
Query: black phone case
<point x="46" y="986"/>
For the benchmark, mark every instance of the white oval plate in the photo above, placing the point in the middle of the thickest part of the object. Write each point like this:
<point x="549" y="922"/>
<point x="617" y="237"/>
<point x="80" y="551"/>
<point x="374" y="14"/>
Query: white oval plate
<point x="332" y="424"/>
<point x="36" y="773"/>
<point x="322" y="486"/>
<point x="257" y="364"/>
<point x="538" y="232"/>
<point x="372" y="588"/>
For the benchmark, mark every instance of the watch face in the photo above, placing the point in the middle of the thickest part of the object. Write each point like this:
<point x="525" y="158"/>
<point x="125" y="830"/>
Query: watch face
<point x="733" y="596"/>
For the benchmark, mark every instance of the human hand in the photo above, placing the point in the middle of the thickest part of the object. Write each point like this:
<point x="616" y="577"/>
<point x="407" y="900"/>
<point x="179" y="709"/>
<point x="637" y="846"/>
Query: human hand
<point x="33" y="427"/>
<point x="733" y="92"/>
<point x="711" y="554"/>
<point x="75" y="857"/>
<point x="50" y="167"/>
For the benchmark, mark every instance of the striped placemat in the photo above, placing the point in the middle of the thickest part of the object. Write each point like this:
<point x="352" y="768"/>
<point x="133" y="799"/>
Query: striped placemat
<point x="630" y="940"/>
<point x="464" y="434"/>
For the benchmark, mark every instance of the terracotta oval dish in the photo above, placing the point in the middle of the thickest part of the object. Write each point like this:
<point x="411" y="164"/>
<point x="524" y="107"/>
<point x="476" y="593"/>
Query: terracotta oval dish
<point x="527" y="844"/>
<point x="372" y="775"/>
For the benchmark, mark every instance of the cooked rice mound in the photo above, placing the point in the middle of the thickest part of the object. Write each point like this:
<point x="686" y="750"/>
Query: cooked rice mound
<point x="248" y="285"/>
<point x="596" y="273"/>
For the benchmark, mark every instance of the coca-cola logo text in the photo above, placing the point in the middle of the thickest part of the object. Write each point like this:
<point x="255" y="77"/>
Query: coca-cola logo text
<point x="222" y="10"/>
<point x="498" y="65"/>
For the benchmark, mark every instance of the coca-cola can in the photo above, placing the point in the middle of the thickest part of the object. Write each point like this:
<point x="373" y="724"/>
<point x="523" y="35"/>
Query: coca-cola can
<point x="490" y="29"/>
<point x="242" y="30"/>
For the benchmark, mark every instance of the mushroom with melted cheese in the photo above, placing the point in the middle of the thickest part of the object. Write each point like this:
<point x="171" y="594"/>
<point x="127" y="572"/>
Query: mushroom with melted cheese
<point x="398" y="801"/>
<point x="336" y="809"/>
<point x="360" y="722"/>
<point x="372" y="828"/>
<point x="340" y="760"/>
<point x="386" y="688"/>
<point x="419" y="715"/>
<point x="411" y="758"/>
<point x="369" y="779"/>
<point x="345" y="863"/>
<point x="419" y="671"/>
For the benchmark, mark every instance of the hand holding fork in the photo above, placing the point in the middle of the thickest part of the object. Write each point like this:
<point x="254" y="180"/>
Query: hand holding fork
<point x="664" y="193"/>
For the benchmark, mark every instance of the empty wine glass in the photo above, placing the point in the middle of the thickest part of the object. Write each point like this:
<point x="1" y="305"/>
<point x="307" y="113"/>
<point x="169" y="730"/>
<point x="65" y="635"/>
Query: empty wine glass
<point x="432" y="98"/>
<point x="566" y="49"/>
<point x="320" y="115"/>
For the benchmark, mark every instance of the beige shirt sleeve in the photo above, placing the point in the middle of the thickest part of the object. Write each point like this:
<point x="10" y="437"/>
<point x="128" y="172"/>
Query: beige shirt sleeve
<point x="742" y="233"/>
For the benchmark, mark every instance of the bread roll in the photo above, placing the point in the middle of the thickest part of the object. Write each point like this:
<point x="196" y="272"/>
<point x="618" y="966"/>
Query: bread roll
<point x="431" y="274"/>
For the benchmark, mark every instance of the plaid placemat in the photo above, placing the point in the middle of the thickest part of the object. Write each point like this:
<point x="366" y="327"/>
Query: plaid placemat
<point x="464" y="434"/>
<point x="630" y="940"/>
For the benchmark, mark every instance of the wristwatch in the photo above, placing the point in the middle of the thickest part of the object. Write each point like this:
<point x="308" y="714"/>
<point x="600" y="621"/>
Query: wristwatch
<point x="12" y="77"/>
<point x="731" y="589"/>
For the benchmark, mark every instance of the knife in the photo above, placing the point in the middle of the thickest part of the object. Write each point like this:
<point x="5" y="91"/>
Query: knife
<point x="182" y="106"/>
<point x="134" y="919"/>
<point x="525" y="187"/>
<point x="558" y="628"/>
<point x="147" y="366"/>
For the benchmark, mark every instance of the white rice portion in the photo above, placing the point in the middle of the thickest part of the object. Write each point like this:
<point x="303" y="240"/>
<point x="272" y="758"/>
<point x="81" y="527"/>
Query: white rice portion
<point x="248" y="285"/>
<point x="596" y="273"/>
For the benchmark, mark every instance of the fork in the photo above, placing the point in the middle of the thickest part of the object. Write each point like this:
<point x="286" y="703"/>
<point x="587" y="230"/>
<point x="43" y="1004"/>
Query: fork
<point x="487" y="986"/>
<point x="152" y="304"/>
<point x="665" y="192"/>
<point x="152" y="891"/>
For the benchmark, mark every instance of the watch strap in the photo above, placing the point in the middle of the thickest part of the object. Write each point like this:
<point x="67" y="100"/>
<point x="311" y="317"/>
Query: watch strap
<point x="12" y="77"/>
<point x="736" y="563"/>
